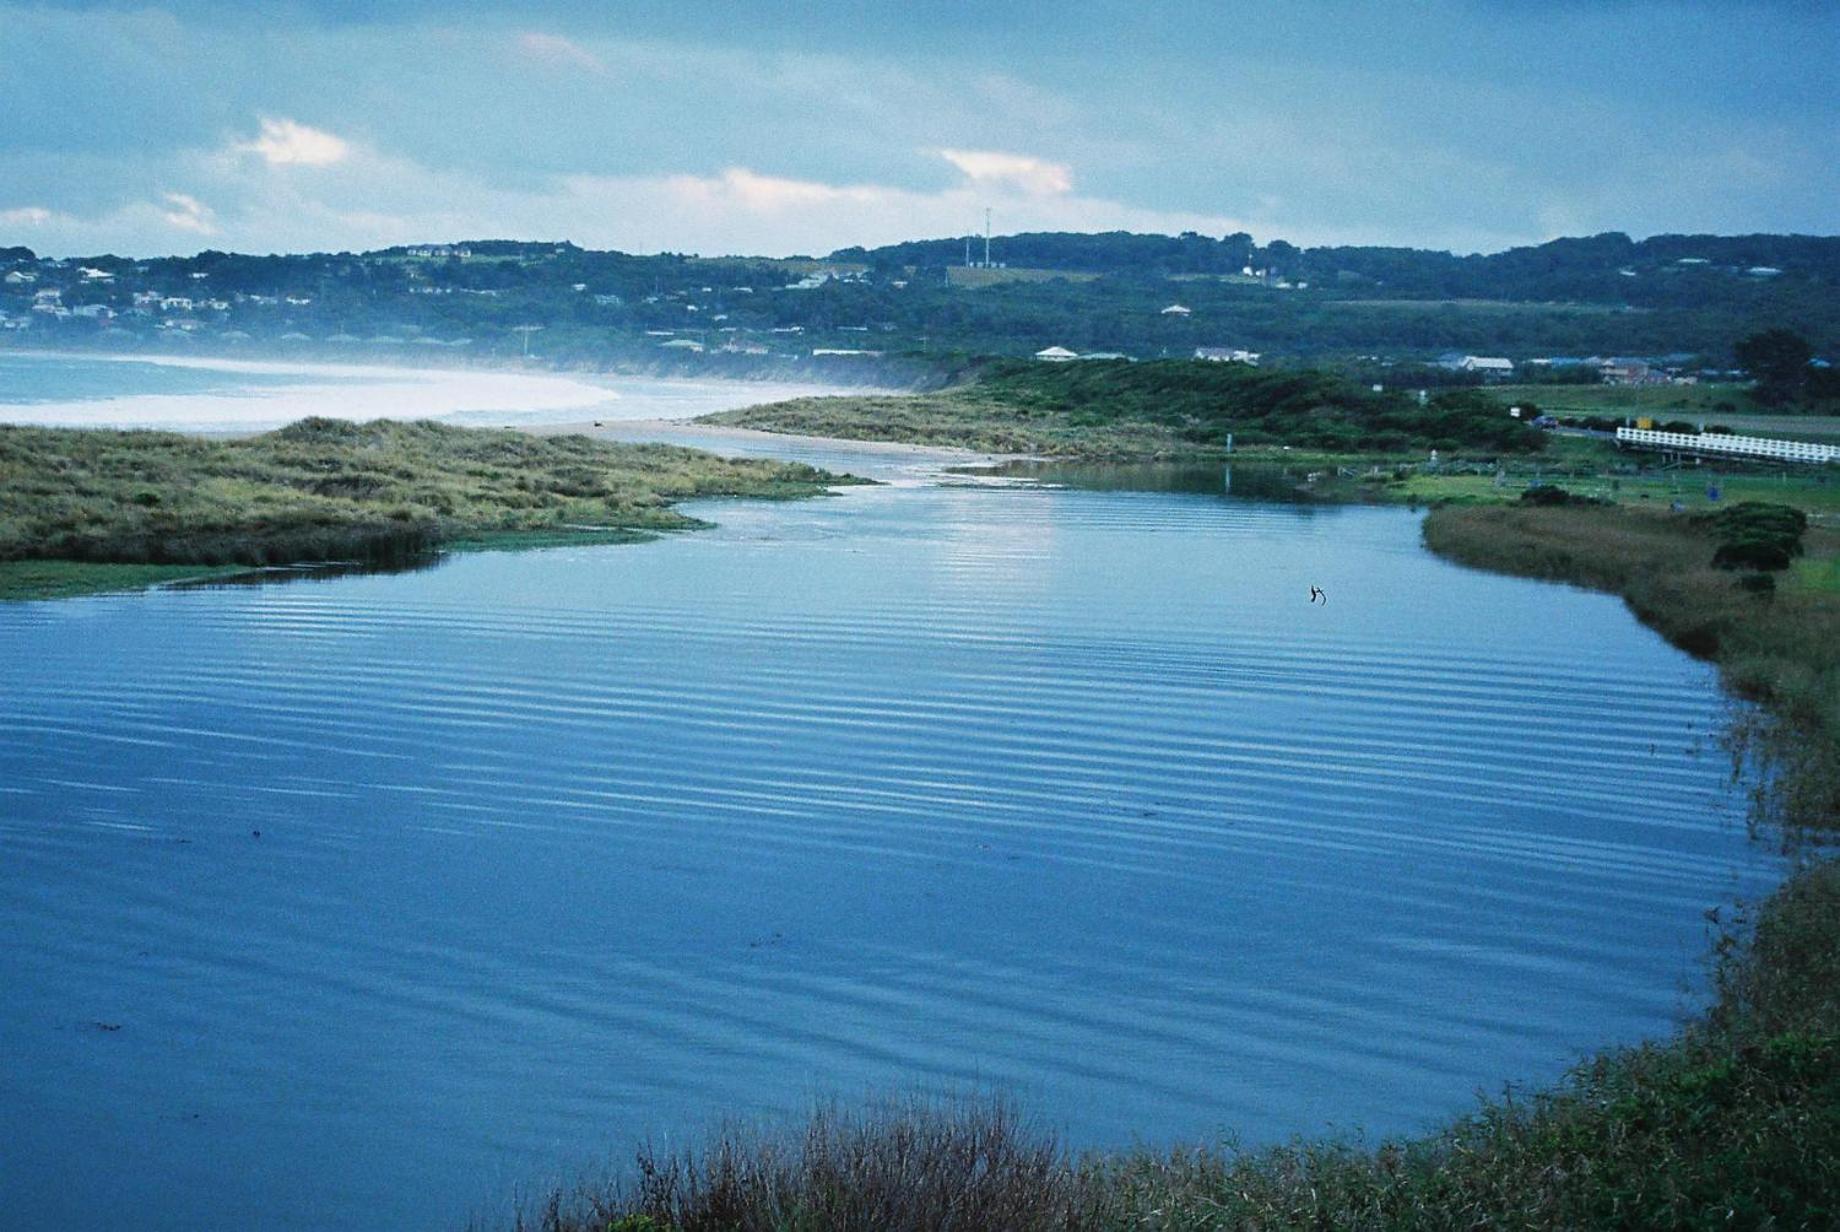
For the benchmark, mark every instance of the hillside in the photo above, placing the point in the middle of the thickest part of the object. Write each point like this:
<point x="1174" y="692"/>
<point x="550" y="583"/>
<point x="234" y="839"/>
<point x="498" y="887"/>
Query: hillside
<point x="902" y="315"/>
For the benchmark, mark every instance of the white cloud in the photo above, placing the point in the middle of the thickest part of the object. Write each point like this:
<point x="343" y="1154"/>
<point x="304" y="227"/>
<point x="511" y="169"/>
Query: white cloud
<point x="287" y="142"/>
<point x="26" y="216"/>
<point x="1018" y="171"/>
<point x="187" y="213"/>
<point x="558" y="52"/>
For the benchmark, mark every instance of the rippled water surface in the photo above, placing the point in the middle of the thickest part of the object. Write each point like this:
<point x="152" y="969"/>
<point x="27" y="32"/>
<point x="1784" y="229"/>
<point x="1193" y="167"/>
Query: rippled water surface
<point x="1071" y="794"/>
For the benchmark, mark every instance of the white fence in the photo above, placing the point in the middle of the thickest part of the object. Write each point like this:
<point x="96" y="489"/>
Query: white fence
<point x="1718" y="443"/>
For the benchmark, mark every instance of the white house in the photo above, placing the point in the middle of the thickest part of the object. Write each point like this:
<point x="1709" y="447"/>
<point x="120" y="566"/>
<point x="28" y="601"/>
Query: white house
<point x="1487" y="365"/>
<point x="1227" y="355"/>
<point x="1056" y="355"/>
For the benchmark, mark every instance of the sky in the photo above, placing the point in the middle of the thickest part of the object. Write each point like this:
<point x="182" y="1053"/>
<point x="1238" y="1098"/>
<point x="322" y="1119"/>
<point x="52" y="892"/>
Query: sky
<point x="784" y="128"/>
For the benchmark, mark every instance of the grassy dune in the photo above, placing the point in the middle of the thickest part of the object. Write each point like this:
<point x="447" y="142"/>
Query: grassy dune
<point x="1156" y="409"/>
<point x="89" y="510"/>
<point x="1732" y="1123"/>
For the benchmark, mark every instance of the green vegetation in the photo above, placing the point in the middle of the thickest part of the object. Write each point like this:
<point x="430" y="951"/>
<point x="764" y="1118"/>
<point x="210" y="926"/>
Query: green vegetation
<point x="63" y="579"/>
<point x="1166" y="408"/>
<point x="88" y="510"/>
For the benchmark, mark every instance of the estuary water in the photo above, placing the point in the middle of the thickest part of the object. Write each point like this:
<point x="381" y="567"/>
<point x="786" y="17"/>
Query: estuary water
<point x="372" y="902"/>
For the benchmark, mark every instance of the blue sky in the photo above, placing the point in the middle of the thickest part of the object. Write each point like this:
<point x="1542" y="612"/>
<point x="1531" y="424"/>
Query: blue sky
<point x="781" y="128"/>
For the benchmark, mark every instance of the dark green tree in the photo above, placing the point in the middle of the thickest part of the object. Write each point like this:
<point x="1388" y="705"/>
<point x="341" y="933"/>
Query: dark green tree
<point x="1778" y="358"/>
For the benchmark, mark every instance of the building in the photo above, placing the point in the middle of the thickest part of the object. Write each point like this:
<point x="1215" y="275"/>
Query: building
<point x="1488" y="365"/>
<point x="1056" y="355"/>
<point x="1624" y="372"/>
<point x="1227" y="355"/>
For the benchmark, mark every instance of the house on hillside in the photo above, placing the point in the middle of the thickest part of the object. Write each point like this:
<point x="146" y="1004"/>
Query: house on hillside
<point x="1227" y="355"/>
<point x="1056" y="355"/>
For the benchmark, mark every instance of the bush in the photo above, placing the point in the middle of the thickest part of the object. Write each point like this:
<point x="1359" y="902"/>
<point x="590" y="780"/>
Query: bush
<point x="1757" y="535"/>
<point x="1546" y="495"/>
<point x="1752" y="553"/>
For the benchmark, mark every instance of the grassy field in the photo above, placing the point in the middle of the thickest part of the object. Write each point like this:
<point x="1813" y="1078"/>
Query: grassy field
<point x="93" y="510"/>
<point x="1492" y="306"/>
<point x="976" y="276"/>
<point x="1812" y="490"/>
<point x="1730" y="405"/>
<point x="1660" y="400"/>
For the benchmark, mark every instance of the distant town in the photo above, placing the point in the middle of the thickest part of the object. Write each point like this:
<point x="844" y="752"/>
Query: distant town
<point x="1604" y="309"/>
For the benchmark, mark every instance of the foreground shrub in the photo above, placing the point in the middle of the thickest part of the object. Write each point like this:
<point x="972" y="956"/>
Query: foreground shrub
<point x="912" y="1167"/>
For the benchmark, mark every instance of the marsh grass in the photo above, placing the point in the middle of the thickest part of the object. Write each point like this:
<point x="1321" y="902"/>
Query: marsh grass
<point x="1154" y="409"/>
<point x="378" y="493"/>
<point x="911" y="1166"/>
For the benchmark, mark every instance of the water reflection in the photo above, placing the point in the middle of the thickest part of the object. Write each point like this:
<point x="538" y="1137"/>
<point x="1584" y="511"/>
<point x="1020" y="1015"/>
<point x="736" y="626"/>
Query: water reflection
<point x="1256" y="481"/>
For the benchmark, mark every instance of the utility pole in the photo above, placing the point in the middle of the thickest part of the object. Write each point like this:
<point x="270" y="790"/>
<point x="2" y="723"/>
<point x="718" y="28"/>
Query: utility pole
<point x="987" y="237"/>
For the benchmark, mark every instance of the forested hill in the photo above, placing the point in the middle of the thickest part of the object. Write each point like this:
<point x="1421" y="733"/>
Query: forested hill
<point x="1662" y="271"/>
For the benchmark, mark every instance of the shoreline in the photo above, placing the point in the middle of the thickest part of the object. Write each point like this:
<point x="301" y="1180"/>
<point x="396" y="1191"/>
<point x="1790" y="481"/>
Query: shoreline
<point x="474" y="395"/>
<point x="621" y="430"/>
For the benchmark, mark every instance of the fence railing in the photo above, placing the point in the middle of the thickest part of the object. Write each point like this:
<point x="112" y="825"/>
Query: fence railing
<point x="1719" y="443"/>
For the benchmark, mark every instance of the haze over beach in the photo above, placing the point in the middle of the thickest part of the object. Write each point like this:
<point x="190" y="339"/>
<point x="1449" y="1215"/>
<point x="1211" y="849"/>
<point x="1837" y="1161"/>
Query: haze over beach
<point x="1030" y="617"/>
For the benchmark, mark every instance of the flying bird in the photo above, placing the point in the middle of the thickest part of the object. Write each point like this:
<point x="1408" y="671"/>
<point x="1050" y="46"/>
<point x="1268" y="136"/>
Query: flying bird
<point x="1316" y="593"/>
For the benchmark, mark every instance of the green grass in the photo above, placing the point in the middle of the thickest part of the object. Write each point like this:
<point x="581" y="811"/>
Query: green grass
<point x="326" y="490"/>
<point x="1487" y="306"/>
<point x="1730" y="405"/>
<point x="1119" y="410"/>
<point x="1815" y="491"/>
<point x="60" y="579"/>
<point x="977" y="276"/>
<point x="1619" y="400"/>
